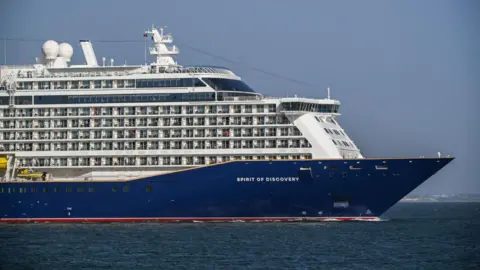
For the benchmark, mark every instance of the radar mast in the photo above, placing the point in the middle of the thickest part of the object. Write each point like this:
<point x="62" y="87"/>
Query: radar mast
<point x="164" y="54"/>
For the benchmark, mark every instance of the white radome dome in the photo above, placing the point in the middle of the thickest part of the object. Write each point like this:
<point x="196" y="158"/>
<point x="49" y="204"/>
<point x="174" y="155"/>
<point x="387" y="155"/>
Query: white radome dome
<point x="65" y="50"/>
<point x="60" y="62"/>
<point x="50" y="49"/>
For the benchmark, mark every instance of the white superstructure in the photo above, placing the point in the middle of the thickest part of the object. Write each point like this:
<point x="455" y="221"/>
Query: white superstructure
<point x="104" y="122"/>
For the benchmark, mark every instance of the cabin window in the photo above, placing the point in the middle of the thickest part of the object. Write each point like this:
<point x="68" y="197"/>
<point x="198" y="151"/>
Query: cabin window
<point x="68" y="189"/>
<point x="329" y="167"/>
<point x="149" y="189"/>
<point x="126" y="189"/>
<point x="33" y="189"/>
<point x="91" y="189"/>
<point x="80" y="189"/>
<point x="1" y="190"/>
<point x="56" y="189"/>
<point x="114" y="189"/>
<point x="355" y="167"/>
<point x="45" y="189"/>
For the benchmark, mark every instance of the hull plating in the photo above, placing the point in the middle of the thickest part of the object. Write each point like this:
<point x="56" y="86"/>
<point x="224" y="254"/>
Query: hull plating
<point x="292" y="190"/>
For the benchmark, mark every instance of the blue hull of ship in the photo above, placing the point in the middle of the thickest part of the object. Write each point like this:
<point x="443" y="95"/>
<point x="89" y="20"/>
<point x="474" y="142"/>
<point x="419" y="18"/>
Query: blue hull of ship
<point x="239" y="189"/>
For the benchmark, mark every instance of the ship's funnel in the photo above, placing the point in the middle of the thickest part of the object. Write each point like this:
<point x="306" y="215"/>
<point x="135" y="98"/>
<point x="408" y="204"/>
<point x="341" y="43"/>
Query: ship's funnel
<point x="88" y="53"/>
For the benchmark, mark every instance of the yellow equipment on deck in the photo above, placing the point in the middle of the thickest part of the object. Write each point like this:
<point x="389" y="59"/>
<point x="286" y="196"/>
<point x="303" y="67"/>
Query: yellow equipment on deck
<point x="29" y="174"/>
<point x="3" y="163"/>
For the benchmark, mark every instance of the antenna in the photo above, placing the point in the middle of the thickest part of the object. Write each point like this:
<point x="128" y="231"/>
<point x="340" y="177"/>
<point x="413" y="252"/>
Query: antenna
<point x="145" y="41"/>
<point x="161" y="30"/>
<point x="328" y="92"/>
<point x="5" y="50"/>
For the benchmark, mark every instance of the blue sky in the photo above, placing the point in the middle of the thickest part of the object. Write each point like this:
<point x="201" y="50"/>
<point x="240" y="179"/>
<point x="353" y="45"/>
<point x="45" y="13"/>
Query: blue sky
<point x="406" y="72"/>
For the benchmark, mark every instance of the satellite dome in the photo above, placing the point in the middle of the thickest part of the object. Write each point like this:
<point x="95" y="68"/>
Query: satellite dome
<point x="60" y="62"/>
<point x="50" y="49"/>
<point x="65" y="50"/>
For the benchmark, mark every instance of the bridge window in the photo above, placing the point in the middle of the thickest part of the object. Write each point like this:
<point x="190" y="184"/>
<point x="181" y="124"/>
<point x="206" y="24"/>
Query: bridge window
<point x="310" y="107"/>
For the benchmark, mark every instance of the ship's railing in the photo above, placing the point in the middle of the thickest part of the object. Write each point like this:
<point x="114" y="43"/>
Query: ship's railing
<point x="17" y="67"/>
<point x="152" y="70"/>
<point x="243" y="98"/>
<point x="260" y="97"/>
<point x="195" y="70"/>
<point x="74" y="75"/>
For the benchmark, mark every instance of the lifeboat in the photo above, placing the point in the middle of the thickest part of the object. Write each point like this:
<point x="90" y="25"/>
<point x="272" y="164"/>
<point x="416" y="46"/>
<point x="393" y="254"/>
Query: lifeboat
<point x="3" y="163"/>
<point x="29" y="174"/>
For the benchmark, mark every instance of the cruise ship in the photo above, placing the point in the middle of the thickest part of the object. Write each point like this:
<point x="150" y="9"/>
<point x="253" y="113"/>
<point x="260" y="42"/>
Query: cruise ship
<point x="100" y="142"/>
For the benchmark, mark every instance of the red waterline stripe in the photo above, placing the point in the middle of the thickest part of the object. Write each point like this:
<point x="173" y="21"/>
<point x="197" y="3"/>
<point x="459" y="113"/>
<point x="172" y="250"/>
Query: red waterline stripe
<point x="189" y="219"/>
